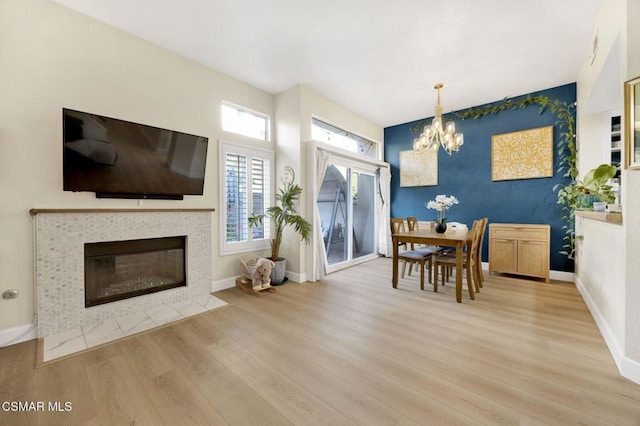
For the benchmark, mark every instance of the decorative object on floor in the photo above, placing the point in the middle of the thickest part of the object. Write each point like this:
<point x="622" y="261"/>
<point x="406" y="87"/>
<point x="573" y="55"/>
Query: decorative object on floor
<point x="418" y="168"/>
<point x="257" y="271"/>
<point x="283" y="215"/>
<point x="441" y="204"/>
<point x="526" y="154"/>
<point x="438" y="133"/>
<point x="632" y="122"/>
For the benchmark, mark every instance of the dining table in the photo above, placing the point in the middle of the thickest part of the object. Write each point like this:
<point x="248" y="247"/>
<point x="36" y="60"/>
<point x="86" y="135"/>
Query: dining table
<point x="451" y="238"/>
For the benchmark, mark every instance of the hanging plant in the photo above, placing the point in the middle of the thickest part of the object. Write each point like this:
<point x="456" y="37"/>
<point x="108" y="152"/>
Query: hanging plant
<point x="565" y="149"/>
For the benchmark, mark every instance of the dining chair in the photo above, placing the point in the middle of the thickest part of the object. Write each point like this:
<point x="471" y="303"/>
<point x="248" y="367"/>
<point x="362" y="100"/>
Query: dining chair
<point x="413" y="225"/>
<point x="483" y="229"/>
<point x="424" y="259"/>
<point x="447" y="262"/>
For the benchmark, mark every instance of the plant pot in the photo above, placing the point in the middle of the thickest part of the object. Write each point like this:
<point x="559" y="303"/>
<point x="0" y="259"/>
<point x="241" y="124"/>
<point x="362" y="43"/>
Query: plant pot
<point x="440" y="227"/>
<point x="278" y="271"/>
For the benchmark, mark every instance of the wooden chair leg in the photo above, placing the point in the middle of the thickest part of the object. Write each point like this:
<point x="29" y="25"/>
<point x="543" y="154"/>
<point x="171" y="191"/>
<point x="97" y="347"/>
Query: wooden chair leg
<point x="435" y="277"/>
<point x="421" y="275"/>
<point x="404" y="267"/>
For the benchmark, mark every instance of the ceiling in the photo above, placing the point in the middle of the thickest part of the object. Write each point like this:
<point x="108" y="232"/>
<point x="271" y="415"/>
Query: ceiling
<point x="379" y="58"/>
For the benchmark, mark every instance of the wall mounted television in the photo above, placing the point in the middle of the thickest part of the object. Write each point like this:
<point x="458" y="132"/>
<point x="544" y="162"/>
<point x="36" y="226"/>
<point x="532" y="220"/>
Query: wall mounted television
<point x="120" y="159"/>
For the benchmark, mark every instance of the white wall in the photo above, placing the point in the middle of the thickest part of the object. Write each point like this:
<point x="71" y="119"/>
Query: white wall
<point x="608" y="273"/>
<point x="631" y="196"/>
<point x="52" y="58"/>
<point x="295" y="109"/>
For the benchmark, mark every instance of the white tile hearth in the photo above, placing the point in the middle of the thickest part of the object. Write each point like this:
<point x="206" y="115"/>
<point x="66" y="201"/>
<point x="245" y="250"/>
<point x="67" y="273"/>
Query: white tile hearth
<point x="135" y="323"/>
<point x="76" y="340"/>
<point x="164" y="315"/>
<point x="63" y="344"/>
<point x="102" y="333"/>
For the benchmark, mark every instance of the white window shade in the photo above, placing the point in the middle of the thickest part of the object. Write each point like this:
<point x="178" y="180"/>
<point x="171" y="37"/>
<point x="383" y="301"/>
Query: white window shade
<point x="246" y="189"/>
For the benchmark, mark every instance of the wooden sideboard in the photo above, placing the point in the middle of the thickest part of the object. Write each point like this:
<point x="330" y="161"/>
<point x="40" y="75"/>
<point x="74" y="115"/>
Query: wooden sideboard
<point x="519" y="249"/>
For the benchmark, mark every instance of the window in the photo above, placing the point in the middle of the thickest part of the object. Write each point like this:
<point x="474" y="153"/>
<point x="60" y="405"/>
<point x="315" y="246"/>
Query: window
<point x="236" y="119"/>
<point x="246" y="190"/>
<point x="323" y="132"/>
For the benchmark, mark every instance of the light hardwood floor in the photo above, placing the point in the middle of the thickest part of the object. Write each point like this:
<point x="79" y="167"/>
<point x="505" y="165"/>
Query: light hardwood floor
<point x="347" y="350"/>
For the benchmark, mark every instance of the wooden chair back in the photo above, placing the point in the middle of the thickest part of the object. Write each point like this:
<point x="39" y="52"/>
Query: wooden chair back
<point x="412" y="223"/>
<point x="397" y="225"/>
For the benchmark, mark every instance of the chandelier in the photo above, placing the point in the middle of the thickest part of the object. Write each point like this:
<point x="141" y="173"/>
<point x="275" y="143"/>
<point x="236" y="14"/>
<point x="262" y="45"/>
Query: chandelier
<point x="438" y="133"/>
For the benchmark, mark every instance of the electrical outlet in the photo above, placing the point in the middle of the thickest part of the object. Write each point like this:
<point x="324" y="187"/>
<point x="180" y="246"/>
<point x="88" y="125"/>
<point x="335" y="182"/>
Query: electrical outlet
<point x="10" y="294"/>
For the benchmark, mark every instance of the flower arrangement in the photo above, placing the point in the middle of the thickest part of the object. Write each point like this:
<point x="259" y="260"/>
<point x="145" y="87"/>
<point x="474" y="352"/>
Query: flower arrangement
<point x="441" y="204"/>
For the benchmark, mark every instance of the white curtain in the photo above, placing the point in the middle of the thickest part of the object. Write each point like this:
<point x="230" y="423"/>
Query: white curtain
<point x="384" y="231"/>
<point x="322" y="162"/>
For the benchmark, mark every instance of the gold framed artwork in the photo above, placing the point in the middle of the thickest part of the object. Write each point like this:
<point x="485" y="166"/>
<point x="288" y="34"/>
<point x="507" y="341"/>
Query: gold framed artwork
<point x="418" y="168"/>
<point x="526" y="154"/>
<point x="632" y="123"/>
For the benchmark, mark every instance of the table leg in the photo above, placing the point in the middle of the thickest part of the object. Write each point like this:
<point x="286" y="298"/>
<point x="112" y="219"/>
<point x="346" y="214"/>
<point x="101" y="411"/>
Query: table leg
<point x="394" y="277"/>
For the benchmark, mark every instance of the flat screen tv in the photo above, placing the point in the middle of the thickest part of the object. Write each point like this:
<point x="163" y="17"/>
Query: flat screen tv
<point x="119" y="159"/>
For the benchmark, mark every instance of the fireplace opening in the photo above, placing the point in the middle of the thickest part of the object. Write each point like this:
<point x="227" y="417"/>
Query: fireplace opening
<point x="117" y="270"/>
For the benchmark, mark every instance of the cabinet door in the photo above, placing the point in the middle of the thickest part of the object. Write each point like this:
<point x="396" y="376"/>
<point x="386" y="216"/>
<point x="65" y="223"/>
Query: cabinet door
<point x="532" y="257"/>
<point x="504" y="255"/>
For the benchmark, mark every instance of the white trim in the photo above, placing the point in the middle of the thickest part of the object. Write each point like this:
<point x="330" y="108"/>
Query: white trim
<point x="630" y="369"/>
<point x="23" y="333"/>
<point x="562" y="276"/>
<point x="627" y="367"/>
<point x="554" y="275"/>
<point x="223" y="284"/>
<point x="296" y="277"/>
<point x="230" y="248"/>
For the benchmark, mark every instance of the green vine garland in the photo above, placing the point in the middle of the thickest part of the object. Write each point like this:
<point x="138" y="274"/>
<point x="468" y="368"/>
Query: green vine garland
<point x="566" y="149"/>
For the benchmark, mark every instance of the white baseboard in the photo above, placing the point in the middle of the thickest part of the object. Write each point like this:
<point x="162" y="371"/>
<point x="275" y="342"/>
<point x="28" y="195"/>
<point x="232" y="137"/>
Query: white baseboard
<point x="20" y="334"/>
<point x="562" y="276"/>
<point x="554" y="275"/>
<point x="223" y="284"/>
<point x="296" y="277"/>
<point x="226" y="283"/>
<point x="628" y="368"/>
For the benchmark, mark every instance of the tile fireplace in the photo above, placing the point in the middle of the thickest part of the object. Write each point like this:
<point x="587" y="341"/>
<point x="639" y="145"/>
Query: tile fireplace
<point x="61" y="238"/>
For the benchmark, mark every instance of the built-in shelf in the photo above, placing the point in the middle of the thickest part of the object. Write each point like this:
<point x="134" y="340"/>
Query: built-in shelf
<point x="615" y="218"/>
<point x="615" y="136"/>
<point x="34" y="212"/>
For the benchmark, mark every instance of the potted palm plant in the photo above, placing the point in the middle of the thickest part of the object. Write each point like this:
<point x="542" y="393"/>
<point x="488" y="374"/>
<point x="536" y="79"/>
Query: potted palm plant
<point x="283" y="214"/>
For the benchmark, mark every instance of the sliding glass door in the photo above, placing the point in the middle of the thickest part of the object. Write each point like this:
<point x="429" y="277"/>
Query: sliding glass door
<point x="347" y="210"/>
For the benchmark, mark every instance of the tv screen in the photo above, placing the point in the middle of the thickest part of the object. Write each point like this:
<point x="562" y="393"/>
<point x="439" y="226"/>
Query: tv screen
<point x="119" y="159"/>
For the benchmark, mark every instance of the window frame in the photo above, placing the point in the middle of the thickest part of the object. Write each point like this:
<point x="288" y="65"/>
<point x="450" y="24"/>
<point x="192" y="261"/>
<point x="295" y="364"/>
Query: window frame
<point x="250" y="152"/>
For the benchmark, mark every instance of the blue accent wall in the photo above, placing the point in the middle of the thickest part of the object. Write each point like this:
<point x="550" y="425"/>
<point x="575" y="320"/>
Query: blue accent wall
<point x="467" y="175"/>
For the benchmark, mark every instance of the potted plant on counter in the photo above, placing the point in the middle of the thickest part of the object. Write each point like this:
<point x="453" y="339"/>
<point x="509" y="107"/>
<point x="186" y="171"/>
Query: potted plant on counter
<point x="283" y="214"/>
<point x="594" y="187"/>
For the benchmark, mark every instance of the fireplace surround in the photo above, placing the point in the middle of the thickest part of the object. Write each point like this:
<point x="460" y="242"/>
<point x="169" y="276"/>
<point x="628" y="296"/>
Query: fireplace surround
<point x="60" y="238"/>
